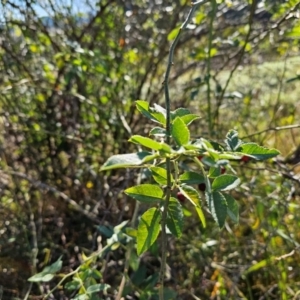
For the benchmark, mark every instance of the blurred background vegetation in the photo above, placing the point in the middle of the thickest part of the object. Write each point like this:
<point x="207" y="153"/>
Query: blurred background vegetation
<point x="70" y="73"/>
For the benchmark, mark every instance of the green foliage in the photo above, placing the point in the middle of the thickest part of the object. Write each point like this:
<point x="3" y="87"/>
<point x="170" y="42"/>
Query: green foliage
<point x="148" y="229"/>
<point x="180" y="132"/>
<point x="225" y="182"/>
<point x="220" y="205"/>
<point x="175" y="218"/>
<point x="67" y="105"/>
<point x="147" y="193"/>
<point x="48" y="272"/>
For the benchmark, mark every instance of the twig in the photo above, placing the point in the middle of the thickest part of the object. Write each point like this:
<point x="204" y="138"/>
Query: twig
<point x="278" y="128"/>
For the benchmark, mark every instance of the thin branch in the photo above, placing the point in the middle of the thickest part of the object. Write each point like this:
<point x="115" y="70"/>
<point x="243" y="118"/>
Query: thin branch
<point x="278" y="128"/>
<point x="195" y="5"/>
<point x="211" y="23"/>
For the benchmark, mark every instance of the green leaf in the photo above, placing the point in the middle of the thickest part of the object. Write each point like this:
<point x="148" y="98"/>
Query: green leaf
<point x="55" y="267"/>
<point x="173" y="34"/>
<point x="72" y="285"/>
<point x="175" y="217"/>
<point x="180" y="132"/>
<point x="160" y="175"/>
<point x="232" y="140"/>
<point x="125" y="160"/>
<point x="155" y="114"/>
<point x="230" y="155"/>
<point x="41" y="277"/>
<point x="201" y="215"/>
<point x="97" y="288"/>
<point x="148" y="229"/>
<point x="208" y="161"/>
<point x="258" y="152"/>
<point x="193" y="196"/>
<point x="257" y="266"/>
<point x="217" y="206"/>
<point x="131" y="232"/>
<point x="232" y="208"/>
<point x="149" y="143"/>
<point x="225" y="182"/>
<point x="188" y="119"/>
<point x="214" y="172"/>
<point x="180" y="112"/>
<point x="48" y="272"/>
<point x="190" y="193"/>
<point x="158" y="131"/>
<point x="191" y="178"/>
<point x="146" y="193"/>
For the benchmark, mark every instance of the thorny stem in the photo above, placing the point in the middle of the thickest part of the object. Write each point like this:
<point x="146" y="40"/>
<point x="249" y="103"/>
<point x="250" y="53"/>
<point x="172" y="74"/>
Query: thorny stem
<point x="195" y="5"/>
<point x="213" y="14"/>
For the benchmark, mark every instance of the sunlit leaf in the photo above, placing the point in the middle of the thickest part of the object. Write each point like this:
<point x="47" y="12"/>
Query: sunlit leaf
<point x="125" y="160"/>
<point x="41" y="277"/>
<point x="225" y="182"/>
<point x="217" y="206"/>
<point x="188" y="119"/>
<point x="160" y="175"/>
<point x="131" y="232"/>
<point x="173" y="34"/>
<point x="232" y="140"/>
<point x="180" y="132"/>
<point x="48" y="272"/>
<point x="151" y="113"/>
<point x="158" y="131"/>
<point x="257" y="266"/>
<point x="149" y="143"/>
<point x="146" y="193"/>
<point x="258" y="152"/>
<point x="148" y="229"/>
<point x="194" y="197"/>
